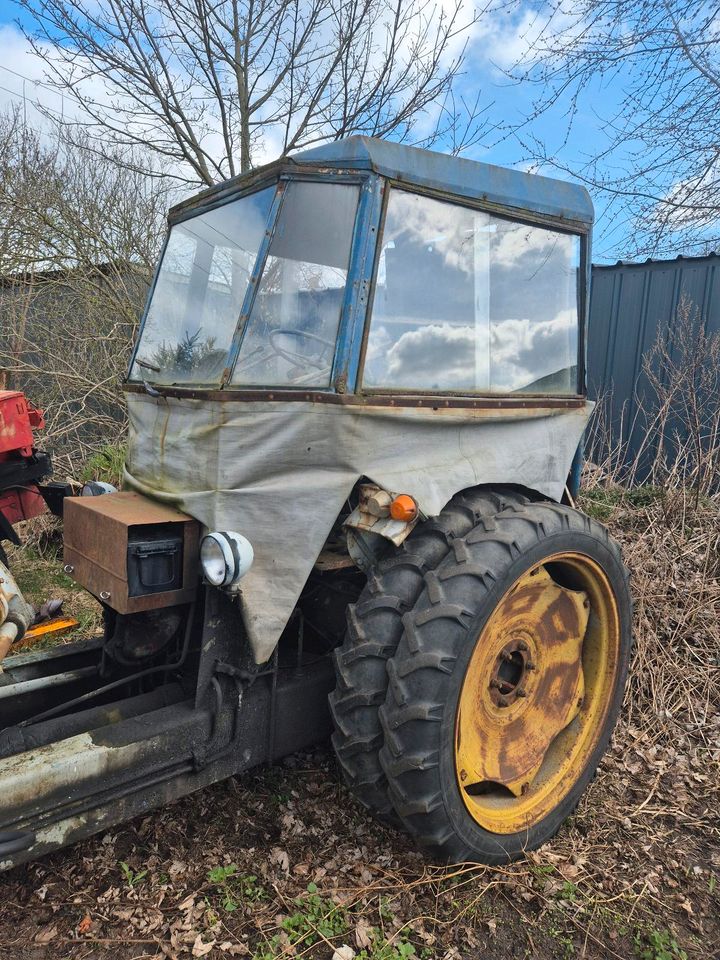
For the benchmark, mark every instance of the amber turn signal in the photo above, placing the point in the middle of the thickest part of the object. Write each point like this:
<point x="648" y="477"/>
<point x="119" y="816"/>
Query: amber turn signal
<point x="403" y="508"/>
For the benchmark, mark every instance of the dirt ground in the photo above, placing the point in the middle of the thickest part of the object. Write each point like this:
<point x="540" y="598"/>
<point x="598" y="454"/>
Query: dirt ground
<point x="633" y="874"/>
<point x="283" y="862"/>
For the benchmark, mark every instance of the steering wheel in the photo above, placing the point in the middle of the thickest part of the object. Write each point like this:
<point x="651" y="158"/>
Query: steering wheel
<point x="299" y="358"/>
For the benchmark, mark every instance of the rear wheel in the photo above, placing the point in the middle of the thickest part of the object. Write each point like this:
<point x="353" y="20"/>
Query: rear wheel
<point x="374" y="629"/>
<point x="506" y="683"/>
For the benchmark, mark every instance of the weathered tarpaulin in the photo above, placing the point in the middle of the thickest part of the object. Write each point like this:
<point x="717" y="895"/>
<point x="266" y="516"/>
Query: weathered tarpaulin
<point x="279" y="472"/>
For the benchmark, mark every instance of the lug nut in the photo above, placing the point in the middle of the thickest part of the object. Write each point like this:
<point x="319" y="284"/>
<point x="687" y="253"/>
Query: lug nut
<point x="530" y="666"/>
<point x="520" y="692"/>
<point x="502" y="702"/>
<point x="507" y="657"/>
<point x="494" y="684"/>
<point x="523" y="647"/>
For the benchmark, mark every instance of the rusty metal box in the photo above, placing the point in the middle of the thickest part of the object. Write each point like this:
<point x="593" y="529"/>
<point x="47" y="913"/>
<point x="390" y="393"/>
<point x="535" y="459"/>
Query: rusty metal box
<point x="97" y="532"/>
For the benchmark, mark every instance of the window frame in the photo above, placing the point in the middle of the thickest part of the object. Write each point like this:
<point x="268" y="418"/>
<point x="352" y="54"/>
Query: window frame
<point x="338" y="376"/>
<point x="502" y="213"/>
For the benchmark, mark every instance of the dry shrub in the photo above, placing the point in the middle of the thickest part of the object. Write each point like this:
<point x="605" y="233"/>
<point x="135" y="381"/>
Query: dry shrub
<point x="670" y="531"/>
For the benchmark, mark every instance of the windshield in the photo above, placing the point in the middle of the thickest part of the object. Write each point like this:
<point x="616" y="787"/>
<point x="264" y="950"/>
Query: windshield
<point x="199" y="293"/>
<point x="291" y="333"/>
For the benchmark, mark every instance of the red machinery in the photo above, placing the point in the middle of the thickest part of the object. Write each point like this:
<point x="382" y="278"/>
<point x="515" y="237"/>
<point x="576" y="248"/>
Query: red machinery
<point x="22" y="467"/>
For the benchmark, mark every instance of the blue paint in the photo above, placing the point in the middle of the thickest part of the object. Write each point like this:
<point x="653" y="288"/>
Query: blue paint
<point x="357" y="291"/>
<point x="470" y="179"/>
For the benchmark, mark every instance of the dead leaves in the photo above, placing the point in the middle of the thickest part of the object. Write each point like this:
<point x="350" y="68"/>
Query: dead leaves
<point x="46" y="934"/>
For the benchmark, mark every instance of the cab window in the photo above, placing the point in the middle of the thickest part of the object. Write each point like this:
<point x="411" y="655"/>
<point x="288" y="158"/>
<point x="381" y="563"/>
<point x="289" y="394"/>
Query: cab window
<point x="292" y="329"/>
<point x="199" y="292"/>
<point x="470" y="302"/>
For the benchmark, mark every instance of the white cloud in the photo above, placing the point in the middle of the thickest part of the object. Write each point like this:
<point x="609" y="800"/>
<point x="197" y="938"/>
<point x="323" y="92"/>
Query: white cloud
<point x="22" y="75"/>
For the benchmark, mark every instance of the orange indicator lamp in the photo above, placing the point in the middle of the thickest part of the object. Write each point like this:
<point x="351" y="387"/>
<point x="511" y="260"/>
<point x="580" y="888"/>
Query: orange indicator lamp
<point x="404" y="508"/>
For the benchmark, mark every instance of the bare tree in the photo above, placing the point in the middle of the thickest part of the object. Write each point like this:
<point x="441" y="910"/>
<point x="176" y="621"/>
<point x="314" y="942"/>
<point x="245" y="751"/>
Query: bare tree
<point x="661" y="157"/>
<point x="210" y="84"/>
<point x="79" y="234"/>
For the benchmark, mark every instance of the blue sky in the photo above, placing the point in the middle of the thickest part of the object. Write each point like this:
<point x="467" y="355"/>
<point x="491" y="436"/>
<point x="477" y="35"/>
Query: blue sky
<point x="493" y="47"/>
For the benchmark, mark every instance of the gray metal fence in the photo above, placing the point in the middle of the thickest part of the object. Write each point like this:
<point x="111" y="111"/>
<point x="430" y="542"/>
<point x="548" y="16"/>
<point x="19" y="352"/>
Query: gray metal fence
<point x="630" y="305"/>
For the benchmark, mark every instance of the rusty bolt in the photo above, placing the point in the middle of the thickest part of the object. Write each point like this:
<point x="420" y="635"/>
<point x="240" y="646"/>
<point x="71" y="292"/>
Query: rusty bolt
<point x="502" y="702"/>
<point x="520" y="692"/>
<point x="495" y="684"/>
<point x="522" y="646"/>
<point x="530" y="666"/>
<point x="463" y="774"/>
<point x="506" y="656"/>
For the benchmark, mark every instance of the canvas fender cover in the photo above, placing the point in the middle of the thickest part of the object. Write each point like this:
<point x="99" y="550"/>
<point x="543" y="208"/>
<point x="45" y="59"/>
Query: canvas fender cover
<point x="279" y="472"/>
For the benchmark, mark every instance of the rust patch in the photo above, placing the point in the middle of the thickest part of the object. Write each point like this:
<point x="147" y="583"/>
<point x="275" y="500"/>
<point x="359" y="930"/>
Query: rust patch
<point x="524" y="684"/>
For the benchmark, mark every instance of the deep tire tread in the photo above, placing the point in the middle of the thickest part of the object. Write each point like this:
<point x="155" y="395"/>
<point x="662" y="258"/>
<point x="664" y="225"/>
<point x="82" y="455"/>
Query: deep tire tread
<point x="375" y="625"/>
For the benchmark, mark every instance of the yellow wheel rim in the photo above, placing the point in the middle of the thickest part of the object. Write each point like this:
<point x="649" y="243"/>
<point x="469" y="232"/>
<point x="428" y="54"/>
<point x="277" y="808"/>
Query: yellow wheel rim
<point x="536" y="693"/>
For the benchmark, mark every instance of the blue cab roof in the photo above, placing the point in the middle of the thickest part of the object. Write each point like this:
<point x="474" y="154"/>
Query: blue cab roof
<point x="455" y="175"/>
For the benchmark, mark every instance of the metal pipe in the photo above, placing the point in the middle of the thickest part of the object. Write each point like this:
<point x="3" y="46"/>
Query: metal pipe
<point x="106" y="688"/>
<point x="46" y="683"/>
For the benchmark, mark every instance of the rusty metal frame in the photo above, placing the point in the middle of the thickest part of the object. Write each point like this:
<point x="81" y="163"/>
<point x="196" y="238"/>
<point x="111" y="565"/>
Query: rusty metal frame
<point x="427" y="401"/>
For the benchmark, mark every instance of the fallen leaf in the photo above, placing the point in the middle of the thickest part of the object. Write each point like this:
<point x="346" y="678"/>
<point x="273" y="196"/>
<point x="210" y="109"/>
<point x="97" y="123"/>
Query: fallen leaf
<point x="363" y="931"/>
<point x="280" y="857"/>
<point x="46" y="934"/>
<point x="199" y="948"/>
<point x="85" y="924"/>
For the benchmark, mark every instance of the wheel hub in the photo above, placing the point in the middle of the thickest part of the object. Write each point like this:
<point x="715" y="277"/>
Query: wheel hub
<point x="509" y="675"/>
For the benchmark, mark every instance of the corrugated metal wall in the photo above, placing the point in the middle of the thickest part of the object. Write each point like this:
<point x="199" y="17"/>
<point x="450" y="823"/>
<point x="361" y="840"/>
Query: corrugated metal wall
<point x="630" y="304"/>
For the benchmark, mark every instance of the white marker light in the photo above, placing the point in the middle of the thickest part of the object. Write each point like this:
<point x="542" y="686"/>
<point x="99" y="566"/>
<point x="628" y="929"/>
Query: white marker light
<point x="225" y="557"/>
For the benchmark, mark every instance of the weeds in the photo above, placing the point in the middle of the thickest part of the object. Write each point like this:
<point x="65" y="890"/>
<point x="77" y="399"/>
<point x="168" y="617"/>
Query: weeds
<point x="132" y="877"/>
<point x="234" y="888"/>
<point x="657" y="945"/>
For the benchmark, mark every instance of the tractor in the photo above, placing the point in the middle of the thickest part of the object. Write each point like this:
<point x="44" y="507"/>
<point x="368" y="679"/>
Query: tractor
<point x="356" y="407"/>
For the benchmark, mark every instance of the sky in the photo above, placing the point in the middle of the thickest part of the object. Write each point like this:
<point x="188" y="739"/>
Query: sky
<point x="493" y="47"/>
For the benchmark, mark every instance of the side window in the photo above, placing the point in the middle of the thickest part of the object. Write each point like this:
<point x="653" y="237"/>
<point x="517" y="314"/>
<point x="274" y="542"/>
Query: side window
<point x="466" y="301"/>
<point x="291" y="333"/>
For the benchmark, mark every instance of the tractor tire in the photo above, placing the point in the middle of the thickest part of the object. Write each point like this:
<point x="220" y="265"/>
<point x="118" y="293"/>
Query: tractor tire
<point x="374" y="627"/>
<point x="507" y="683"/>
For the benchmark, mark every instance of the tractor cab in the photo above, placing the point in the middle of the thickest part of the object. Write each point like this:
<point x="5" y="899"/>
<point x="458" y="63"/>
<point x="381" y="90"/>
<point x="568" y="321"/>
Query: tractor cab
<point x="355" y="402"/>
<point x="367" y="268"/>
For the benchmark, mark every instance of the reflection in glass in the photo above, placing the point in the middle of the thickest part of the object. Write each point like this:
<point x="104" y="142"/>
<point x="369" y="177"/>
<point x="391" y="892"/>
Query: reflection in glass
<point x="291" y="333"/>
<point x="466" y="301"/>
<point x="199" y="292"/>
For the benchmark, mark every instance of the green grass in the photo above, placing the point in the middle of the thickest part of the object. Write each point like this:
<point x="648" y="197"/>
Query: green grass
<point x="105" y="465"/>
<point x="601" y="502"/>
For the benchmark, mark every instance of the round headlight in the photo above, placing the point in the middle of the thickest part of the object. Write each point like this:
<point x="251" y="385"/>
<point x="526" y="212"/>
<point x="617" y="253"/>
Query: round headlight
<point x="96" y="488"/>
<point x="225" y="557"/>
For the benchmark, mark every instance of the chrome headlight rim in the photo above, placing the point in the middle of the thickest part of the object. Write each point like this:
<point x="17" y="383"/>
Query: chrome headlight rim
<point x="233" y="550"/>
